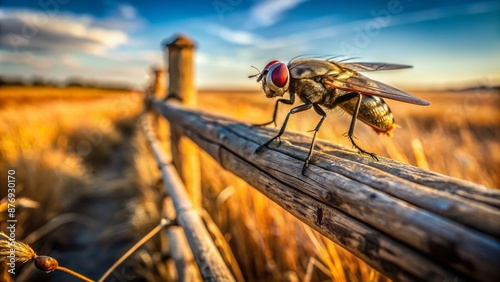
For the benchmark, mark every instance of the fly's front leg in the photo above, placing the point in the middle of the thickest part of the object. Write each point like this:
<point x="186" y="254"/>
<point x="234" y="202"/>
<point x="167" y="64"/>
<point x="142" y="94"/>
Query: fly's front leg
<point x="322" y="113"/>
<point x="275" y="112"/>
<point x="350" y="133"/>
<point x="297" y="109"/>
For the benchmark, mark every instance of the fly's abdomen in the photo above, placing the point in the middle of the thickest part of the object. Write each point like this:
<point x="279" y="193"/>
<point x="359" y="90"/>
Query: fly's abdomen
<point x="374" y="112"/>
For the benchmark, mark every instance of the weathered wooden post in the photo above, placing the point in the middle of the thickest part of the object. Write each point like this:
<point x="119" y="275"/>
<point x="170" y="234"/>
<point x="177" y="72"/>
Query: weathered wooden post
<point x="159" y="81"/>
<point x="156" y="90"/>
<point x="185" y="154"/>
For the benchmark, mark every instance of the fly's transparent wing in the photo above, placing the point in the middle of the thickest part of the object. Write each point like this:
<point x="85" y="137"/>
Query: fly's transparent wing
<point x="362" y="84"/>
<point x="373" y="66"/>
<point x="311" y="67"/>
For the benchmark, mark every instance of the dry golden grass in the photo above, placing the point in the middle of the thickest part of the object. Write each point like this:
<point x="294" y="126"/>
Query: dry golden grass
<point x="51" y="144"/>
<point x="48" y="144"/>
<point x="457" y="135"/>
<point x="54" y="139"/>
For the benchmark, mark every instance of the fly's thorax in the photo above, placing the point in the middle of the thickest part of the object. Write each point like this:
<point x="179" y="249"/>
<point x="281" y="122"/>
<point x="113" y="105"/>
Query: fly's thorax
<point x="312" y="67"/>
<point x="374" y="112"/>
<point x="310" y="88"/>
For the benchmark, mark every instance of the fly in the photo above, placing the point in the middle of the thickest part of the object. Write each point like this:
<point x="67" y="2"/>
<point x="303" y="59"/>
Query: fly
<point x="327" y="83"/>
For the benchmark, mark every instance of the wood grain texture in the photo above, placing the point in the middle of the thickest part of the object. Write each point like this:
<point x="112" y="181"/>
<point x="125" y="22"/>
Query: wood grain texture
<point x="209" y="261"/>
<point x="179" y="250"/>
<point x="409" y="223"/>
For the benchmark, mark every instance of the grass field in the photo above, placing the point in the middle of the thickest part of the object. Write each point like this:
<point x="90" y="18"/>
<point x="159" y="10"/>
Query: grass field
<point x="457" y="135"/>
<point x="58" y="140"/>
<point x="55" y="145"/>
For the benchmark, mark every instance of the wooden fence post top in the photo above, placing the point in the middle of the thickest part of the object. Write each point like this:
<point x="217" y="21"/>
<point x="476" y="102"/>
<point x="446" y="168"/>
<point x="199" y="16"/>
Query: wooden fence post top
<point x="156" y="70"/>
<point x="180" y="41"/>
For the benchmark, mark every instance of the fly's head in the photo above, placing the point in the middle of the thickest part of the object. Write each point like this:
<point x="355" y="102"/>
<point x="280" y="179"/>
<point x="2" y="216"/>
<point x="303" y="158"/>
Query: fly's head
<point x="275" y="79"/>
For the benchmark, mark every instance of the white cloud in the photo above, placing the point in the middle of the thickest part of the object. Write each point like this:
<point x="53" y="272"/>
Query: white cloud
<point x="64" y="44"/>
<point x="446" y="12"/>
<point x="127" y="11"/>
<point x="125" y="18"/>
<point x="202" y="58"/>
<point x="34" y="62"/>
<point x="150" y="56"/>
<point x="269" y="12"/>
<point x="37" y="31"/>
<point x="239" y="37"/>
<point x="70" y="61"/>
<point x="331" y="31"/>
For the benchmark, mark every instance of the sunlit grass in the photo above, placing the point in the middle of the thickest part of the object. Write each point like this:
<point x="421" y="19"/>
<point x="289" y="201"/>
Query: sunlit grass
<point x="457" y="135"/>
<point x="53" y="144"/>
<point x="49" y="143"/>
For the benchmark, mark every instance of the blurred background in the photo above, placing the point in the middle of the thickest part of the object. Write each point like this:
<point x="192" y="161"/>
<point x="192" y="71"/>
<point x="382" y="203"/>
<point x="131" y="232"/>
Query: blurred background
<point x="451" y="44"/>
<point x="72" y="76"/>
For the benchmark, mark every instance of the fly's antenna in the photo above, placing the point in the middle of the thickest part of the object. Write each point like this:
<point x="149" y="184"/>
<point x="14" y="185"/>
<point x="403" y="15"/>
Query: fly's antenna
<point x="254" y="75"/>
<point x="260" y="75"/>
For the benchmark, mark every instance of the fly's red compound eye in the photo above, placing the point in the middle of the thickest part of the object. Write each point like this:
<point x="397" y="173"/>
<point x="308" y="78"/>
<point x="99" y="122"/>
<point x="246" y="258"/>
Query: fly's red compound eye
<point x="265" y="71"/>
<point x="270" y="64"/>
<point x="277" y="77"/>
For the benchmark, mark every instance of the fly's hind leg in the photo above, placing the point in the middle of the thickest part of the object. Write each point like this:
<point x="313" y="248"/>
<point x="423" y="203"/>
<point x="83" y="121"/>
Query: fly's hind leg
<point x="350" y="133"/>
<point x="322" y="113"/>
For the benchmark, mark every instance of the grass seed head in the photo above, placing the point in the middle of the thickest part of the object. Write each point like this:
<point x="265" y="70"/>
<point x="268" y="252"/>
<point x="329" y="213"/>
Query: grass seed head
<point x="20" y="251"/>
<point x="46" y="263"/>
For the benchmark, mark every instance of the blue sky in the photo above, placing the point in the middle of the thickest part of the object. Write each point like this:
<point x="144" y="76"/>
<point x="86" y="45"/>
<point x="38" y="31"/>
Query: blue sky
<point x="451" y="44"/>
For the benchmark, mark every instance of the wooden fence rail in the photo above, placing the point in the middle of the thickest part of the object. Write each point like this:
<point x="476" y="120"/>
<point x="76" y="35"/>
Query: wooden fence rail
<point x="409" y="223"/>
<point x="211" y="265"/>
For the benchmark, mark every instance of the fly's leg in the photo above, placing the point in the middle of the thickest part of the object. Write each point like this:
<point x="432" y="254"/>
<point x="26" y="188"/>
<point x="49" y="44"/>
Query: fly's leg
<point x="322" y="113"/>
<point x="344" y="98"/>
<point x="275" y="112"/>
<point x="297" y="109"/>
<point x="350" y="133"/>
